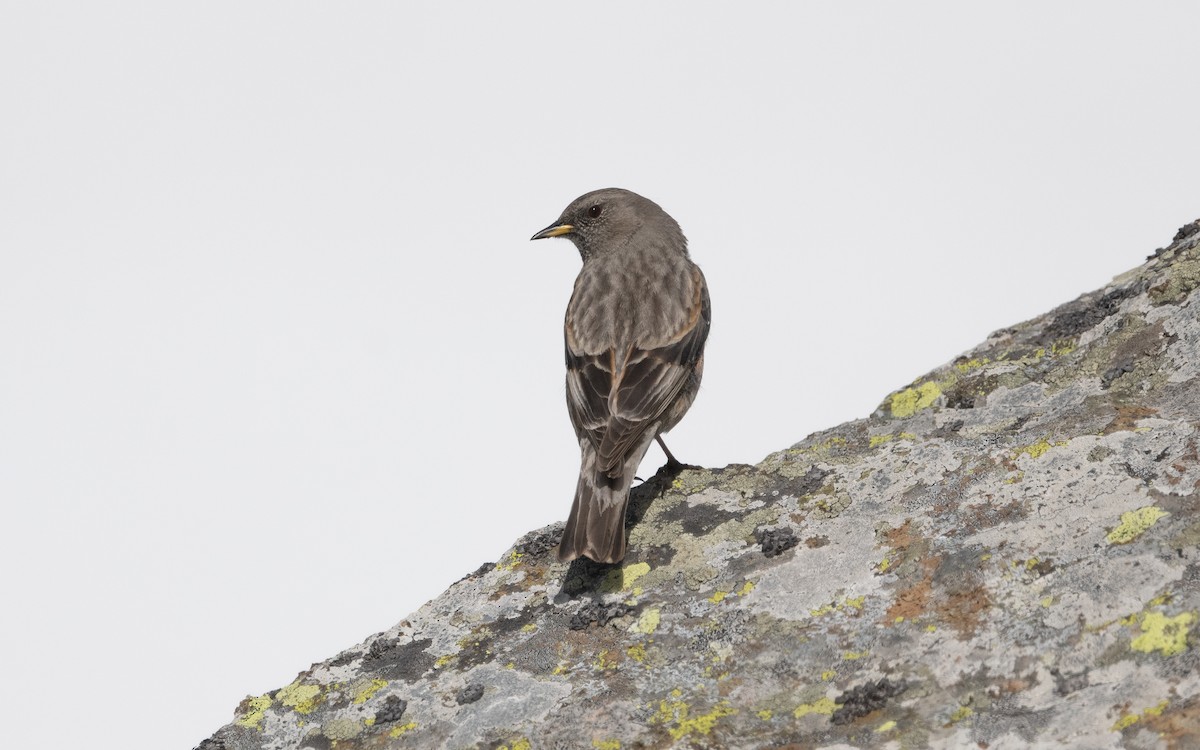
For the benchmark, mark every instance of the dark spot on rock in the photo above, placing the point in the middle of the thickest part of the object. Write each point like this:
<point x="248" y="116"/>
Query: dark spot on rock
<point x="811" y="481"/>
<point x="1085" y="313"/>
<point x="469" y="694"/>
<point x="1043" y="567"/>
<point x="729" y="628"/>
<point x="699" y="519"/>
<point x="344" y="658"/>
<point x="1144" y="473"/>
<point x="598" y="613"/>
<point x="316" y="741"/>
<point x="813" y="542"/>
<point x="1020" y="422"/>
<point x="585" y="576"/>
<point x="776" y="541"/>
<point x="957" y="399"/>
<point x="955" y="426"/>
<point x="538" y="543"/>
<point x="477" y="648"/>
<point x="482" y="570"/>
<point x="863" y="699"/>
<point x="1115" y="372"/>
<point x="970" y="392"/>
<point x="1067" y="684"/>
<point x="392" y="709"/>
<point x="212" y="743"/>
<point x="1187" y="230"/>
<point x="379" y="647"/>
<point x="406" y="661"/>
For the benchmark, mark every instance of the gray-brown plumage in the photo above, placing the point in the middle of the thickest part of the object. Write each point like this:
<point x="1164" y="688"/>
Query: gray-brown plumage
<point x="635" y="332"/>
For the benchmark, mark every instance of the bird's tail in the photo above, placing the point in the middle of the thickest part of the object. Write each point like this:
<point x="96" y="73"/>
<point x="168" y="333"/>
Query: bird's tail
<point x="596" y="526"/>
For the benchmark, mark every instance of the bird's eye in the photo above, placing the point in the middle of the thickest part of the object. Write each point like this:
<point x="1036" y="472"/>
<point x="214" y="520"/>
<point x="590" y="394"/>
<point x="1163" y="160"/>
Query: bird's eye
<point x="594" y="211"/>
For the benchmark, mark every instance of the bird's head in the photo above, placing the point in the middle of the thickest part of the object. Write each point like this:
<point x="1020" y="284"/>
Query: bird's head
<point x="606" y="221"/>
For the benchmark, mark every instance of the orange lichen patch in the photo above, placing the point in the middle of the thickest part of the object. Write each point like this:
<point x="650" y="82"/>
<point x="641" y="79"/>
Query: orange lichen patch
<point x="1177" y="725"/>
<point x="1014" y="685"/>
<point x="906" y="542"/>
<point x="963" y="609"/>
<point x="900" y="537"/>
<point x="1127" y="418"/>
<point x="915" y="567"/>
<point x="913" y="601"/>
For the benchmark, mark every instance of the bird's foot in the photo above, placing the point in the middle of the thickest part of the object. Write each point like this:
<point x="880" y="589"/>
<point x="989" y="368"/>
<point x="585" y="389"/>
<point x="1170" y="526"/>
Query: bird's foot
<point x="673" y="468"/>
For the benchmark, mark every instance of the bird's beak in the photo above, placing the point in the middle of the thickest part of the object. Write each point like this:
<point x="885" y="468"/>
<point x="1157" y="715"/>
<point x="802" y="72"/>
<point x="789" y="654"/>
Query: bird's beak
<point x="554" y="230"/>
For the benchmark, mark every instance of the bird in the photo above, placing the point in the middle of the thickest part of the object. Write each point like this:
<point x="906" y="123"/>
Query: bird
<point x="634" y="334"/>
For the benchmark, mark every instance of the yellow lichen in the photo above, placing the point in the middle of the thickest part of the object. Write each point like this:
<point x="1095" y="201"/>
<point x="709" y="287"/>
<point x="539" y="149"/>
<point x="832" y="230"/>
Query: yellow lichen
<point x="886" y="726"/>
<point x="912" y="400"/>
<point x="302" y="698"/>
<point x="528" y="627"/>
<point x="257" y="710"/>
<point x="603" y="661"/>
<point x="825" y="446"/>
<point x="648" y="622"/>
<point x="637" y="652"/>
<point x="368" y="689"/>
<point x="1163" y="598"/>
<point x="878" y="440"/>
<point x="853" y="655"/>
<point x="825" y="706"/>
<point x="397" y="731"/>
<point x="678" y="712"/>
<point x="746" y="588"/>
<point x="971" y="364"/>
<point x="828" y="675"/>
<point x="606" y="744"/>
<point x="1127" y="720"/>
<point x="1135" y="523"/>
<point x="1167" y="635"/>
<point x="765" y="714"/>
<point x="960" y="713"/>
<point x="341" y="729"/>
<point x="511" y="562"/>
<point x="718" y="596"/>
<point x="1035" y="451"/>
<point x="622" y="579"/>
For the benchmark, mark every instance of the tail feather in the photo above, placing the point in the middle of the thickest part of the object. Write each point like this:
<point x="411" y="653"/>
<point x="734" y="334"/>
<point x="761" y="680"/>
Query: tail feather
<point x="596" y="526"/>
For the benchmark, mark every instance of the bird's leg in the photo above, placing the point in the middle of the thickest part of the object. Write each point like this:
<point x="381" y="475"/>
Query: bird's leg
<point x="674" y="465"/>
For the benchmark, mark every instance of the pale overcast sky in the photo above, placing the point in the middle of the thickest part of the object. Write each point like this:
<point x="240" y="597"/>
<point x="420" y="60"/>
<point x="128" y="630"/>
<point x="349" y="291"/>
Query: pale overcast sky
<point x="278" y="362"/>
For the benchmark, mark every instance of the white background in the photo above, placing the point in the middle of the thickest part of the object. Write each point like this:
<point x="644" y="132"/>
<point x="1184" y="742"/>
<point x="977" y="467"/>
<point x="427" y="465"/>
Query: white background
<point x="277" y="360"/>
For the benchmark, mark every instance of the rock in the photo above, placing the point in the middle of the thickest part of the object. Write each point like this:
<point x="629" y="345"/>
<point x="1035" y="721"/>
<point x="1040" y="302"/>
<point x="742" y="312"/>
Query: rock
<point x="1003" y="555"/>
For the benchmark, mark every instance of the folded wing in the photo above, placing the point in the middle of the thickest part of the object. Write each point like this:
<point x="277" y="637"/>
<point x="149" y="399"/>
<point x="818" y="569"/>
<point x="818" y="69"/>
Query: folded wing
<point x="614" y="397"/>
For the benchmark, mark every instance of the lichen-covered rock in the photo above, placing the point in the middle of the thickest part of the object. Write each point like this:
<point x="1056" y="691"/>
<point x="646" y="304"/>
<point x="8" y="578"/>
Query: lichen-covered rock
<point x="1003" y="555"/>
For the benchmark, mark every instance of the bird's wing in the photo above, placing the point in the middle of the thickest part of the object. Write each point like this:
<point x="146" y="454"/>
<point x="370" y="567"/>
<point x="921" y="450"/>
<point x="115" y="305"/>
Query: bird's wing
<point x="615" y="397"/>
